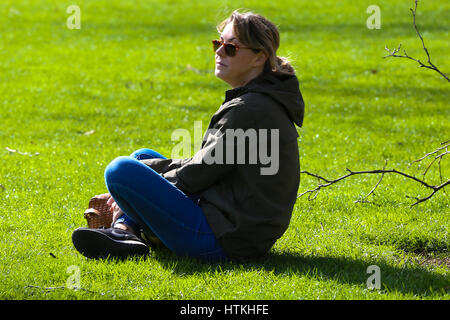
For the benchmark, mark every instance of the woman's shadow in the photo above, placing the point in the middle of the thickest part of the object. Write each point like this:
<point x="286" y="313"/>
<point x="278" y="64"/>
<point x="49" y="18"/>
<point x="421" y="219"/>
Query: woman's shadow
<point x="410" y="279"/>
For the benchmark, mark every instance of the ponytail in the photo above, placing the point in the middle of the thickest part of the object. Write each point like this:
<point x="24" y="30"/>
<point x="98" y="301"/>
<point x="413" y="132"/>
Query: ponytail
<point x="280" y="65"/>
<point x="283" y="65"/>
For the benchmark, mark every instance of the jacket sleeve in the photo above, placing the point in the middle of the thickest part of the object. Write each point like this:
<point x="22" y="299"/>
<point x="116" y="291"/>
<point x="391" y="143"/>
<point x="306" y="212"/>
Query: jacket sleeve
<point x="214" y="159"/>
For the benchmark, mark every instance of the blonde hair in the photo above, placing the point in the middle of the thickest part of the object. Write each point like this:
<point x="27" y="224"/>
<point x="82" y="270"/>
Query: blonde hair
<point x="258" y="33"/>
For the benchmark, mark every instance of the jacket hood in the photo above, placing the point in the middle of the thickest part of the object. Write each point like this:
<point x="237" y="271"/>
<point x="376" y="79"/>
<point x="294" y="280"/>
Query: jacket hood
<point x="284" y="89"/>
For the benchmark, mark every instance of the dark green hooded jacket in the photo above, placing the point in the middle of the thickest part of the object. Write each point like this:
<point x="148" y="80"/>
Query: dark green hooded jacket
<point x="247" y="208"/>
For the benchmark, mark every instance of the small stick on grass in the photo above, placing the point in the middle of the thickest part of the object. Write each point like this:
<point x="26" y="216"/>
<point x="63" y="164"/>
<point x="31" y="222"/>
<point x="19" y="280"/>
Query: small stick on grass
<point x="49" y="289"/>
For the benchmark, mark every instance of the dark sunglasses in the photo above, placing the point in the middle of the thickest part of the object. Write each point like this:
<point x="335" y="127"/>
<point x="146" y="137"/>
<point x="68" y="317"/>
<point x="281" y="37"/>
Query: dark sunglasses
<point x="230" y="49"/>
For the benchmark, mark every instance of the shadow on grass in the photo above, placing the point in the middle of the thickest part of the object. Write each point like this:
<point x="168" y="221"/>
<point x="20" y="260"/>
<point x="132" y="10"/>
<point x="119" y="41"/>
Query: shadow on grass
<point x="407" y="280"/>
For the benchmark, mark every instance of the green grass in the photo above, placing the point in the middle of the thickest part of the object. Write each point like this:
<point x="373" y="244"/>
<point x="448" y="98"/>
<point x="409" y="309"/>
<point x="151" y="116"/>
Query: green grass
<point x="138" y="70"/>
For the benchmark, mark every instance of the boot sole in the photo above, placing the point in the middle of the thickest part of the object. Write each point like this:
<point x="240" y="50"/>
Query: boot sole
<point x="96" y="245"/>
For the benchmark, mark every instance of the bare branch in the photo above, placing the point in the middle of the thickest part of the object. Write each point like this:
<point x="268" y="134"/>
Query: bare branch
<point x="430" y="153"/>
<point x="382" y="171"/>
<point x="438" y="157"/>
<point x="435" y="189"/>
<point x="430" y="65"/>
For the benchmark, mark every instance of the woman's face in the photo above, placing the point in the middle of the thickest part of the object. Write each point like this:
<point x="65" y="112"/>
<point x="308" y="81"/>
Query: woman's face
<point x="241" y="68"/>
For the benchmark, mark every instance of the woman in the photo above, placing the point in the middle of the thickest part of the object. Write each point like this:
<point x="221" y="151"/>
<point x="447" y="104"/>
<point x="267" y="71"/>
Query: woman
<point x="219" y="204"/>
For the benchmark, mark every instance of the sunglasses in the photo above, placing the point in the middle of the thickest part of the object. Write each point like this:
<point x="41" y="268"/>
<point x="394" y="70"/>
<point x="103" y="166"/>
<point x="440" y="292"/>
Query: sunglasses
<point x="230" y="49"/>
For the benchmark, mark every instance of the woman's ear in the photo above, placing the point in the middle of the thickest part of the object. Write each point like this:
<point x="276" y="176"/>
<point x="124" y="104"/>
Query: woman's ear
<point x="260" y="59"/>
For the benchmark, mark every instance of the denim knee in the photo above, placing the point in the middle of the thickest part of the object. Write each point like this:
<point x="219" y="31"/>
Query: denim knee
<point x="119" y="167"/>
<point x="146" y="153"/>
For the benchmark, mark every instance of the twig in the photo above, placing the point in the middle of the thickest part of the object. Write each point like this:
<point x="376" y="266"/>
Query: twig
<point x="440" y="172"/>
<point x="433" y="152"/>
<point x="21" y="153"/>
<point x="383" y="171"/>
<point x="435" y="158"/>
<point x="436" y="189"/>
<point x="430" y="65"/>
<point x="46" y="288"/>
<point x="373" y="189"/>
<point x="439" y="157"/>
<point x="49" y="289"/>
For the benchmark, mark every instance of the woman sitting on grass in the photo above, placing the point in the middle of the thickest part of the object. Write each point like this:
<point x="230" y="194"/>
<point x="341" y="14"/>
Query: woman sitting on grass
<point x="218" y="204"/>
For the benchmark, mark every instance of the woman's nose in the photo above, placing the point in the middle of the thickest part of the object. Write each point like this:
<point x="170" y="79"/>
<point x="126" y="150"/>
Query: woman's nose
<point x="220" y="51"/>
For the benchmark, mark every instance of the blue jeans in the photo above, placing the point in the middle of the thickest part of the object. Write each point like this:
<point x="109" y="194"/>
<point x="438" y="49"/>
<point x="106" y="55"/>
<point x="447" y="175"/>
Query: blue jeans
<point x="152" y="203"/>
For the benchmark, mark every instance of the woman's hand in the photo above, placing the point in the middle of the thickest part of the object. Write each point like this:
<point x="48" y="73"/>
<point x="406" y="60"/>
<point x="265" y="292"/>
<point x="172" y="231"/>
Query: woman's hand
<point x="116" y="211"/>
<point x="113" y="206"/>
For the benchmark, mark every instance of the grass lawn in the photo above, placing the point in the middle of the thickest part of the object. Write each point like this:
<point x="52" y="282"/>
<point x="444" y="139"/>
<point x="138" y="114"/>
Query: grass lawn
<point x="73" y="100"/>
